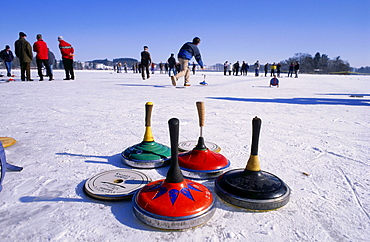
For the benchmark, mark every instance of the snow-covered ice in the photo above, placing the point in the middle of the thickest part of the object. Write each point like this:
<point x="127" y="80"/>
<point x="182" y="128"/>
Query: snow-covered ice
<point x="68" y="131"/>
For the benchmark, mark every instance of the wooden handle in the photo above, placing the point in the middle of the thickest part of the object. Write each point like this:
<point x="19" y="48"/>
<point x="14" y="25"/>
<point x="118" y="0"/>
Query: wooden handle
<point x="201" y="113"/>
<point x="174" y="174"/>
<point x="256" y="127"/>
<point x="148" y="113"/>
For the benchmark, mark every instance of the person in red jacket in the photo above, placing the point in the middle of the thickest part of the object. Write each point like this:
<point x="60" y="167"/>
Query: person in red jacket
<point x="67" y="56"/>
<point x="42" y="57"/>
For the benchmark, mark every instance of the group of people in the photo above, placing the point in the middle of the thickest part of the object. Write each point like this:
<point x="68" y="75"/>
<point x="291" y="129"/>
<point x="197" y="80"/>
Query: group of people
<point x="176" y="70"/>
<point x="118" y="67"/>
<point x="295" y="68"/>
<point x="171" y="67"/>
<point x="44" y="57"/>
<point x="186" y="53"/>
<point x="274" y="68"/>
<point x="235" y="68"/>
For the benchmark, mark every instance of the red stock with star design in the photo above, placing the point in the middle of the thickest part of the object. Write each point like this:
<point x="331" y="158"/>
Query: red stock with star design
<point x="174" y="199"/>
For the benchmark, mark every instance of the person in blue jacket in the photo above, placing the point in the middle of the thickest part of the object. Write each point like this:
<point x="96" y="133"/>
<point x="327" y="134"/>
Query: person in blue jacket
<point x="186" y="53"/>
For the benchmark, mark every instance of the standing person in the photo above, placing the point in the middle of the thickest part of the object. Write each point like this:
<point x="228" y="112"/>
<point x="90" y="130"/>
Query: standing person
<point x="194" y="66"/>
<point x="273" y="68"/>
<point x="42" y="57"/>
<point x="266" y="69"/>
<point x="161" y="67"/>
<point x="67" y="56"/>
<point x="246" y="69"/>
<point x="166" y="68"/>
<point x="51" y="61"/>
<point x="225" y="67"/>
<point x="125" y="67"/>
<point x="152" y="68"/>
<point x="229" y="68"/>
<point x="145" y="62"/>
<point x="278" y="69"/>
<point x="172" y="65"/>
<point x="257" y="68"/>
<point x="186" y="53"/>
<point x="242" y="69"/>
<point x="7" y="56"/>
<point x="296" y="69"/>
<point x="291" y="68"/>
<point x="23" y="51"/>
<point x="236" y="67"/>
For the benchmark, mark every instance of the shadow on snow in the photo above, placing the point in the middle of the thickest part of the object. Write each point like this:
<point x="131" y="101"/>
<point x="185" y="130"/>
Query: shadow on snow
<point x="301" y="101"/>
<point x="143" y="85"/>
<point x="122" y="210"/>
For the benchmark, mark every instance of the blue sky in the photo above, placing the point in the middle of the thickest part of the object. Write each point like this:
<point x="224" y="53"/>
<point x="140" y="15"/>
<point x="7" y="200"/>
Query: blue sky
<point x="269" y="31"/>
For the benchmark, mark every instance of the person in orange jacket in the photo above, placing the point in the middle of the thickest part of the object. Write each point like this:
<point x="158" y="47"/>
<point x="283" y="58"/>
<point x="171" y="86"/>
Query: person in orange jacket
<point x="67" y="52"/>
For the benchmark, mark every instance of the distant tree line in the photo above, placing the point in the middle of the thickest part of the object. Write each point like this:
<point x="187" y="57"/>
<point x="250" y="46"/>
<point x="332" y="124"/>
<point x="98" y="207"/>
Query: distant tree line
<point x="320" y="63"/>
<point x="365" y="69"/>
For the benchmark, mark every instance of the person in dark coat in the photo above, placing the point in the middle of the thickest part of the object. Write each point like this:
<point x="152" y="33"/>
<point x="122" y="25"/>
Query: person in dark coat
<point x="278" y="69"/>
<point x="296" y="69"/>
<point x="266" y="68"/>
<point x="236" y="67"/>
<point x="146" y="60"/>
<point x="246" y="69"/>
<point x="51" y="60"/>
<point x="161" y="67"/>
<point x="291" y="68"/>
<point x="23" y="51"/>
<point x="226" y="64"/>
<point x="242" y="69"/>
<point x="165" y="67"/>
<point x="8" y="57"/>
<point x="257" y="68"/>
<point x="172" y="65"/>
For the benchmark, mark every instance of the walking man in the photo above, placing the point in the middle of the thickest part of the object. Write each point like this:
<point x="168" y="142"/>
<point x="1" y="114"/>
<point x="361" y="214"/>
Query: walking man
<point x="172" y="65"/>
<point x="67" y="56"/>
<point x="186" y="53"/>
<point x="42" y="57"/>
<point x="23" y="51"/>
<point x="146" y="60"/>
